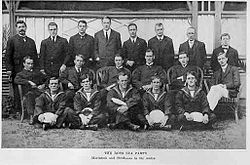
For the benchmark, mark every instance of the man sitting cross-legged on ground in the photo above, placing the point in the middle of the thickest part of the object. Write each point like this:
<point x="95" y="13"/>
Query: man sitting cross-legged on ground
<point x="71" y="78"/>
<point x="192" y="105"/>
<point x="51" y="110"/>
<point x="123" y="102"/>
<point x="157" y="106"/>
<point x="226" y="80"/>
<point x="87" y="103"/>
<point x="33" y="83"/>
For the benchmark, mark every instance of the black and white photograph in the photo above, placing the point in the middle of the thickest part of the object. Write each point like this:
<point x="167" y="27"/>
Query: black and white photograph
<point x="124" y="82"/>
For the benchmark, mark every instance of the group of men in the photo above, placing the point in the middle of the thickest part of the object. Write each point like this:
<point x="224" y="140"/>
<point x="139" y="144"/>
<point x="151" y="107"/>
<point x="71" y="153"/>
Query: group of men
<point x="61" y="91"/>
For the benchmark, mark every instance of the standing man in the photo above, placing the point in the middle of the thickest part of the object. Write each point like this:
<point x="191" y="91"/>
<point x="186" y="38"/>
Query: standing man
<point x="18" y="47"/>
<point x="133" y="49"/>
<point x="82" y="43"/>
<point x="54" y="52"/>
<point x="163" y="48"/>
<point x="232" y="54"/>
<point x="196" y="50"/>
<point x="107" y="43"/>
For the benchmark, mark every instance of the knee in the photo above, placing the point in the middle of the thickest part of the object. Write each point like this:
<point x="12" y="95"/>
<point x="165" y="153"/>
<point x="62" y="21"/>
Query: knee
<point x="181" y="118"/>
<point x="212" y="118"/>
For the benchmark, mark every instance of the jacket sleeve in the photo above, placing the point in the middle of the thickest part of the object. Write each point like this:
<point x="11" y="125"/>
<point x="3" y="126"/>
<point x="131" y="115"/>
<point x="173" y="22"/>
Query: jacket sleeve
<point x="171" y="53"/>
<point x="179" y="103"/>
<point x="77" y="103"/>
<point x="66" y="52"/>
<point x="42" y="54"/>
<point x="204" y="103"/>
<point x="168" y="105"/>
<point x="119" y="43"/>
<point x="62" y="104"/>
<point x="214" y="62"/>
<point x="71" y="47"/>
<point x="19" y="79"/>
<point x="134" y="99"/>
<point x="9" y="55"/>
<point x="97" y="104"/>
<point x="181" y="48"/>
<point x="64" y="76"/>
<point x="237" y="61"/>
<point x="40" y="104"/>
<point x="92" y="48"/>
<point x="161" y="72"/>
<point x="35" y="55"/>
<point x="111" y="106"/>
<point x="236" y="79"/>
<point x="136" y="78"/>
<point x="96" y="47"/>
<point x="142" y="54"/>
<point x="145" y="102"/>
<point x="124" y="52"/>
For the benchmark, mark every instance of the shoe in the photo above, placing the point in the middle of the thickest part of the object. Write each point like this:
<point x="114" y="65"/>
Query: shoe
<point x="112" y="126"/>
<point x="32" y="121"/>
<point x="208" y="127"/>
<point x="133" y="127"/>
<point x="166" y="128"/>
<point x="93" y="127"/>
<point x="46" y="127"/>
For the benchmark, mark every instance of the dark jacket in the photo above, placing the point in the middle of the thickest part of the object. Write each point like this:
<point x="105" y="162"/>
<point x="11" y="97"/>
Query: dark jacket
<point x="232" y="54"/>
<point x="17" y="49"/>
<point x="53" y="55"/>
<point x="24" y="76"/>
<point x="231" y="78"/>
<point x="162" y="102"/>
<point x="71" y="75"/>
<point x="44" y="103"/>
<point x="106" y="50"/>
<point x="163" y="50"/>
<point x="134" y="51"/>
<point x="186" y="103"/>
<point x="81" y="101"/>
<point x="131" y="98"/>
<point x="197" y="54"/>
<point x="81" y="45"/>
<point x="142" y="75"/>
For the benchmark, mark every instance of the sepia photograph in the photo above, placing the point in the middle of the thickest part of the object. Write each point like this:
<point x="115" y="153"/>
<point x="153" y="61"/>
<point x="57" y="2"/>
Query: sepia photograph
<point x="124" y="80"/>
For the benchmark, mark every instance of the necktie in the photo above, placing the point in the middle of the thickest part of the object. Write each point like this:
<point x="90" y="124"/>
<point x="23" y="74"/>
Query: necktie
<point x="53" y="38"/>
<point x="107" y="36"/>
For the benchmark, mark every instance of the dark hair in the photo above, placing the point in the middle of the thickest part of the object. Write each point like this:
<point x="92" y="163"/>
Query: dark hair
<point x="106" y="17"/>
<point x="27" y="57"/>
<point x="20" y="22"/>
<point x="118" y="55"/>
<point x="132" y="24"/>
<point x="121" y="74"/>
<point x="191" y="27"/>
<point x="53" y="78"/>
<point x="80" y="55"/>
<point x="192" y="72"/>
<point x="82" y="21"/>
<point x="52" y="24"/>
<point x="149" y="50"/>
<point x="156" y="77"/>
<point x="182" y="52"/>
<point x="221" y="53"/>
<point x="86" y="76"/>
<point x="225" y="34"/>
<point x="159" y="24"/>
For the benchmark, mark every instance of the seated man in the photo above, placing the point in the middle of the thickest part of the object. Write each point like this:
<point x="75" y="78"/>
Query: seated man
<point x="192" y="105"/>
<point x="51" y="110"/>
<point x="141" y="77"/>
<point x="33" y="83"/>
<point x="156" y="99"/>
<point x="178" y="72"/>
<point x="123" y="102"/>
<point x="111" y="77"/>
<point x="71" y="78"/>
<point x="226" y="82"/>
<point x="87" y="103"/>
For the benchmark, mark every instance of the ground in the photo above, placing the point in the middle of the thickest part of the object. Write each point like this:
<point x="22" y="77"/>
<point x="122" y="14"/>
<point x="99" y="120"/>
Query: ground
<point x="226" y="135"/>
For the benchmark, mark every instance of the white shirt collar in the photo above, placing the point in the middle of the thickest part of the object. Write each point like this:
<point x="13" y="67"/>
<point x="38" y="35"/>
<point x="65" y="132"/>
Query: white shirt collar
<point x="78" y="69"/>
<point x="109" y="31"/>
<point x="160" y="38"/>
<point x="52" y="37"/>
<point x="224" y="68"/>
<point x="119" y="67"/>
<point x="133" y="39"/>
<point x="150" y="64"/>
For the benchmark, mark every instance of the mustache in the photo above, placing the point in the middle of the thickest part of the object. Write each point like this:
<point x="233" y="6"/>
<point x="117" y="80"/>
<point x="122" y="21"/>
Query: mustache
<point x="22" y="30"/>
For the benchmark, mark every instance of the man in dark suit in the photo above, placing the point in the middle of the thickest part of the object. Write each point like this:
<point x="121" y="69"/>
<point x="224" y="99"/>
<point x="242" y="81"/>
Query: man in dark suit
<point x="82" y="43"/>
<point x="163" y="48"/>
<point x="107" y="44"/>
<point x="18" y="47"/>
<point x="233" y="57"/>
<point x="134" y="49"/>
<point x="226" y="81"/>
<point x="196" y="50"/>
<point x="70" y="78"/>
<point x="33" y="83"/>
<point x="54" y="53"/>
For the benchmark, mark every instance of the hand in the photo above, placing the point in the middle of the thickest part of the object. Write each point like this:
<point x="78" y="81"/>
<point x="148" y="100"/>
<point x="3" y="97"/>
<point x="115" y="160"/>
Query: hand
<point x="146" y="87"/>
<point x="110" y="87"/>
<point x="205" y="119"/>
<point x="43" y="71"/>
<point x="150" y="122"/>
<point x="89" y="117"/>
<point x="90" y="59"/>
<point x="188" y="116"/>
<point x="9" y="72"/>
<point x="62" y="68"/>
<point x="70" y="86"/>
<point x="41" y="86"/>
<point x="33" y="85"/>
<point x="122" y="108"/>
<point x="130" y="63"/>
<point x="164" y="121"/>
<point x="83" y="119"/>
<point x="180" y="78"/>
<point x="53" y="122"/>
<point x="97" y="59"/>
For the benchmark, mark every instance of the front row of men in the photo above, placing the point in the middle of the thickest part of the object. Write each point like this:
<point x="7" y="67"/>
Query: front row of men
<point x="141" y="103"/>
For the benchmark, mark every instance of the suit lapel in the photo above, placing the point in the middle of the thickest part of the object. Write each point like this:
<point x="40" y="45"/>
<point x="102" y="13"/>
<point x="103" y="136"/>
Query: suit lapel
<point x="227" y="71"/>
<point x="110" y="37"/>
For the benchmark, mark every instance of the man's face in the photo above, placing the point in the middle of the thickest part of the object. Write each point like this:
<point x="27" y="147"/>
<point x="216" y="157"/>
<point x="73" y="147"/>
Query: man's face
<point x="132" y="31"/>
<point x="159" y="30"/>
<point x="156" y="84"/>
<point x="53" y="30"/>
<point x="28" y="64"/>
<point x="222" y="59"/>
<point x="21" y="28"/>
<point x="118" y="61"/>
<point x="191" y="34"/>
<point x="123" y="81"/>
<point x="183" y="59"/>
<point x="191" y="80"/>
<point x="78" y="61"/>
<point x="54" y="85"/>
<point x="149" y="57"/>
<point x="225" y="40"/>
<point x="82" y="27"/>
<point x="106" y="24"/>
<point x="86" y="83"/>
